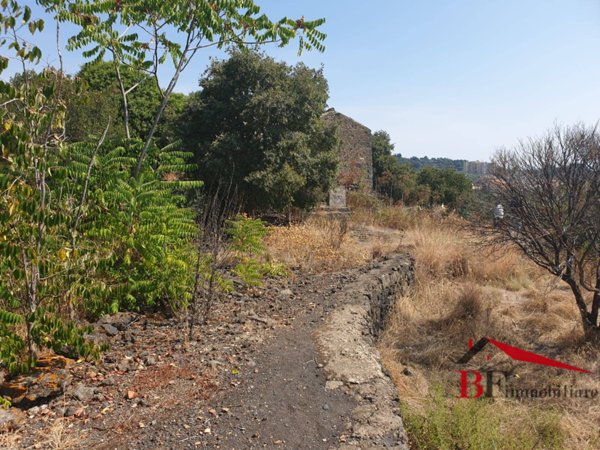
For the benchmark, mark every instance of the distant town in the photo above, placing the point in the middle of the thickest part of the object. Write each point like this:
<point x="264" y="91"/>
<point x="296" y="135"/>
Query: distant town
<point x="474" y="169"/>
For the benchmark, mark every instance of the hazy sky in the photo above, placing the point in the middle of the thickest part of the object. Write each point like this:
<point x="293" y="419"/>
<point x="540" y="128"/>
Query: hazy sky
<point x="453" y="78"/>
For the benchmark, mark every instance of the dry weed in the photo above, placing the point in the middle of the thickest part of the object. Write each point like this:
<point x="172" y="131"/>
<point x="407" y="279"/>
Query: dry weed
<point x="9" y="440"/>
<point x="59" y="437"/>
<point x="464" y="291"/>
<point x="324" y="243"/>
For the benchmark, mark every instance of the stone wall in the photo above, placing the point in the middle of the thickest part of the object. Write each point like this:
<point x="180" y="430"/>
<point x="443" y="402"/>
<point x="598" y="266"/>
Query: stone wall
<point x="356" y="157"/>
<point x="351" y="362"/>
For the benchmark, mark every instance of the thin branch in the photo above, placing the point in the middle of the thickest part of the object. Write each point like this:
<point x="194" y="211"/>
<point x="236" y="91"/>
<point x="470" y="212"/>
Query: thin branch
<point x="87" y="178"/>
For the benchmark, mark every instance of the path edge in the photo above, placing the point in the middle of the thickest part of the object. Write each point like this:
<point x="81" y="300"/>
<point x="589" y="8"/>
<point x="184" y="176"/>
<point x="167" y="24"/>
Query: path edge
<point x="346" y="345"/>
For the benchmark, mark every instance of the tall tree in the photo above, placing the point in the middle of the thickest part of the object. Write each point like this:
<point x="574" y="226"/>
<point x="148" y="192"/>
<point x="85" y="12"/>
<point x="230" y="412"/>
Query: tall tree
<point x="142" y="102"/>
<point x="392" y="179"/>
<point x="143" y="34"/>
<point x="258" y="123"/>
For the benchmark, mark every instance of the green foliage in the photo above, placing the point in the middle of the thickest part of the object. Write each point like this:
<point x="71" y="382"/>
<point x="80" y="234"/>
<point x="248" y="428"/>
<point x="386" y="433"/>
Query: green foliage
<point x="33" y="219"/>
<point x="246" y="236"/>
<point x="177" y="30"/>
<point x="63" y="337"/>
<point x="446" y="186"/>
<point x="12" y="347"/>
<point x="5" y="402"/>
<point x="428" y="187"/>
<point x="274" y="269"/>
<point x="137" y="234"/>
<point x="392" y="179"/>
<point x="168" y="126"/>
<point x="88" y="228"/>
<point x="143" y="101"/>
<point x="87" y="112"/>
<point x="258" y="123"/>
<point x="449" y="423"/>
<point x="439" y="163"/>
<point x="222" y="23"/>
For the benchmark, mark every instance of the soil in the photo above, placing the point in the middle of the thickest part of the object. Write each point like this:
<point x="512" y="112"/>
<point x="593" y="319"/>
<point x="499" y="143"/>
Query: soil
<point x="251" y="379"/>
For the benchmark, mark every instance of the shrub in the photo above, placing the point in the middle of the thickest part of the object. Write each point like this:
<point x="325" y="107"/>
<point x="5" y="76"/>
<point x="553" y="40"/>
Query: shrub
<point x="448" y="424"/>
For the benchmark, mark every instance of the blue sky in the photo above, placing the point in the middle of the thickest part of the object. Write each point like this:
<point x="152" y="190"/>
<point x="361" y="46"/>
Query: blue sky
<point x="453" y="78"/>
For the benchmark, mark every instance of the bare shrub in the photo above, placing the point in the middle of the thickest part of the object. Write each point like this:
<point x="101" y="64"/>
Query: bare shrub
<point x="59" y="437"/>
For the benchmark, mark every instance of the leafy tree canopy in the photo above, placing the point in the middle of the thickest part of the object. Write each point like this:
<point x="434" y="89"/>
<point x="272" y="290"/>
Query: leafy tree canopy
<point x="257" y="123"/>
<point x="392" y="179"/>
<point x="143" y="101"/>
<point x="447" y="186"/>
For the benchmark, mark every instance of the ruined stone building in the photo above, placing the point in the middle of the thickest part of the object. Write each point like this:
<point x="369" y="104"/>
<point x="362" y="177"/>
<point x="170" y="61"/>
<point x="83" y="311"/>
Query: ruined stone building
<point x="356" y="158"/>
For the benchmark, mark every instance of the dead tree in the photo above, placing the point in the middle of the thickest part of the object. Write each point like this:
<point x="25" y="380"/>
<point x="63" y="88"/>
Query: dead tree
<point x="550" y="190"/>
<point x="212" y="253"/>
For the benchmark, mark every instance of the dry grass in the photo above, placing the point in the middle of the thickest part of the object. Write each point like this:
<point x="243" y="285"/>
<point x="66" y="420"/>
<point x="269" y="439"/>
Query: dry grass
<point x="10" y="440"/>
<point x="324" y="243"/>
<point x="59" y="437"/>
<point x="464" y="291"/>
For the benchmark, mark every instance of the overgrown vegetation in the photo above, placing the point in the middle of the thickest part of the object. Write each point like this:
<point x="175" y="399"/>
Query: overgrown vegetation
<point x="448" y="424"/>
<point x="464" y="291"/>
<point x="257" y="123"/>
<point x="94" y="214"/>
<point x="549" y="188"/>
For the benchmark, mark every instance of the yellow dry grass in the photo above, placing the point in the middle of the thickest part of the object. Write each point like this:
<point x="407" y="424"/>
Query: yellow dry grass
<point x="10" y="440"/>
<point x="59" y="437"/>
<point x="463" y="290"/>
<point x="324" y="243"/>
<point x="466" y="291"/>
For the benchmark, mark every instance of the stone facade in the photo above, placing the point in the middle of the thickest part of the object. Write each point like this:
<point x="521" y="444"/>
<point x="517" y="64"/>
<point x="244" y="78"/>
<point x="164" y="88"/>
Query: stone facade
<point x="356" y="157"/>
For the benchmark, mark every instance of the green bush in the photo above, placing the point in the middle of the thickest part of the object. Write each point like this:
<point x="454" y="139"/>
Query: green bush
<point x="482" y="424"/>
<point x="247" y="236"/>
<point x="135" y="247"/>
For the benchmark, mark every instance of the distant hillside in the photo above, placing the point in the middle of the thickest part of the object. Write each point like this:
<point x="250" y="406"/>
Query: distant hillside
<point x="472" y="168"/>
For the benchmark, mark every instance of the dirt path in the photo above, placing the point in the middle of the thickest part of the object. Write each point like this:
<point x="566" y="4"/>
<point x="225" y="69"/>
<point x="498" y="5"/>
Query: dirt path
<point x="276" y="398"/>
<point x="252" y="380"/>
<point x="284" y="403"/>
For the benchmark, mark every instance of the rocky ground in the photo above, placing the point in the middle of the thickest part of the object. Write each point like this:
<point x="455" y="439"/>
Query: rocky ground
<point x="252" y="379"/>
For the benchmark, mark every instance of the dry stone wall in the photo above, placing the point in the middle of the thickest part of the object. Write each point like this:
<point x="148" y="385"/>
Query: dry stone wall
<point x="351" y="362"/>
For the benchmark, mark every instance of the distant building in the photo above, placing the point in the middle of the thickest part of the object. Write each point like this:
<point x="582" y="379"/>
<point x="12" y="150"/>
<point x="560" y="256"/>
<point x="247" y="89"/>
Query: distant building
<point x="476" y="167"/>
<point x="356" y="157"/>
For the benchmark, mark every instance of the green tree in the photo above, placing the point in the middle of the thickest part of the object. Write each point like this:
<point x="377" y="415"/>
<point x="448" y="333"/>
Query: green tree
<point x="73" y="219"/>
<point x="392" y="179"/>
<point x="142" y="101"/>
<point x="446" y="186"/>
<point x="87" y="112"/>
<point x="257" y="123"/>
<point x="174" y="30"/>
<point x="34" y="218"/>
<point x="168" y="127"/>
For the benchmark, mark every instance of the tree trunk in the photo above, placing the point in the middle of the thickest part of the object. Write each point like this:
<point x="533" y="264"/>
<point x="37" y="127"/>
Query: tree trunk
<point x="124" y="100"/>
<point x="590" y="326"/>
<point x="596" y="299"/>
<point x="194" y="301"/>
